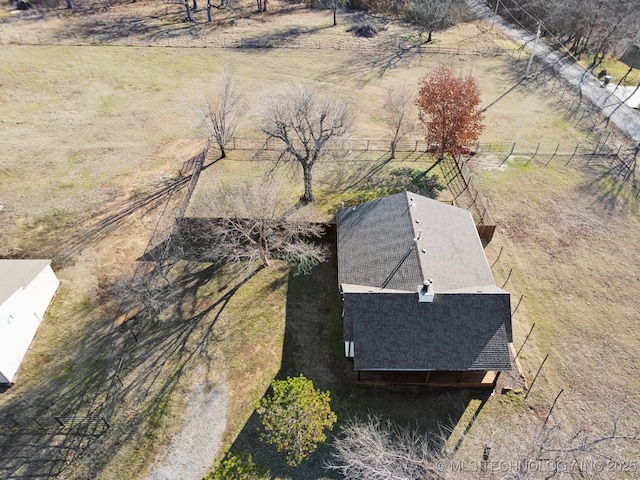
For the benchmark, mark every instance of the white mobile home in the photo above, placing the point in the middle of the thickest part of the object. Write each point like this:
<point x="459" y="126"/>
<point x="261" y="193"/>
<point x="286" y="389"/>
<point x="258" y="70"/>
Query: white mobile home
<point x="26" y="289"/>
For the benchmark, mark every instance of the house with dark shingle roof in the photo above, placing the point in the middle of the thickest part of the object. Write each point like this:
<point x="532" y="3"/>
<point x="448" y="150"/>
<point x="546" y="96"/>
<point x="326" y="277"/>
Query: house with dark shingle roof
<point x="420" y="303"/>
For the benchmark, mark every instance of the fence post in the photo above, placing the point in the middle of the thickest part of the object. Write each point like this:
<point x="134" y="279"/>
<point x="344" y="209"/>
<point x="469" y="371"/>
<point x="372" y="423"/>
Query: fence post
<point x="534" y="378"/>
<point x="583" y="115"/>
<point x="594" y="152"/>
<point x="554" y="154"/>
<point x="525" y="339"/>
<point x="508" y="277"/>
<point x="572" y="155"/>
<point x="519" y="302"/>
<point x="569" y="110"/>
<point x="552" y="407"/>
<point x="534" y="154"/>
<point x="513" y="147"/>
<point x="105" y="421"/>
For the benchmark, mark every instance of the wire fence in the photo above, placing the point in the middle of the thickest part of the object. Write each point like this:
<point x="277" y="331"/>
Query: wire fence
<point x="95" y="419"/>
<point x="210" y="38"/>
<point x="460" y="181"/>
<point x="160" y="245"/>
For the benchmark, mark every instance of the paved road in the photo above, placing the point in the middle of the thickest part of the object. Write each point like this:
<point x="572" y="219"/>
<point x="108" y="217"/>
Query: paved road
<point x="626" y="118"/>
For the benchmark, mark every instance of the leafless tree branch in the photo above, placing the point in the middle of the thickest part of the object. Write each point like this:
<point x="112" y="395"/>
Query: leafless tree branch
<point x="222" y="112"/>
<point x="304" y="124"/>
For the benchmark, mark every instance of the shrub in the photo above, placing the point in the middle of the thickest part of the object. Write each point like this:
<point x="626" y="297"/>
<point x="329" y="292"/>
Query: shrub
<point x="238" y="467"/>
<point x="294" y="417"/>
<point x="364" y="28"/>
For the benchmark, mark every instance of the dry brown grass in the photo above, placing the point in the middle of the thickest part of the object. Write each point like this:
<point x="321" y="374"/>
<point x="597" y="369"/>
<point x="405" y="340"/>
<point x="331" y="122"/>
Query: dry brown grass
<point x="88" y="130"/>
<point x="567" y="241"/>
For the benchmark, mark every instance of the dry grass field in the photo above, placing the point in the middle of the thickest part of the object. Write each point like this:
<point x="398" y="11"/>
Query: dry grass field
<point x="96" y="121"/>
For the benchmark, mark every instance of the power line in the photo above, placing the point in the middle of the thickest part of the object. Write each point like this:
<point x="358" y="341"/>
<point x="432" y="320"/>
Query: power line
<point x="541" y="23"/>
<point x="525" y="12"/>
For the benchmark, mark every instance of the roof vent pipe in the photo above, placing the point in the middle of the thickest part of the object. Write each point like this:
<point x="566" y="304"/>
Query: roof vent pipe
<point x="425" y="292"/>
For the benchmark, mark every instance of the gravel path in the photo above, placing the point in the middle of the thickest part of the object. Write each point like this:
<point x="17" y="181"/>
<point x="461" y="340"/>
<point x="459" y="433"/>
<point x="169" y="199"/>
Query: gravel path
<point x="626" y="118"/>
<point x="192" y="451"/>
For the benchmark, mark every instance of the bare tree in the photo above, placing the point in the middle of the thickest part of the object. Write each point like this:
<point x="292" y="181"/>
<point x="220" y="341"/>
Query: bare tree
<point x="378" y="449"/>
<point x="555" y="451"/>
<point x="397" y="117"/>
<point x="254" y="222"/>
<point x="222" y="112"/>
<point x="305" y="124"/>
<point x="188" y="18"/>
<point x="433" y="15"/>
<point x="334" y="6"/>
<point x="219" y="6"/>
<point x="582" y="26"/>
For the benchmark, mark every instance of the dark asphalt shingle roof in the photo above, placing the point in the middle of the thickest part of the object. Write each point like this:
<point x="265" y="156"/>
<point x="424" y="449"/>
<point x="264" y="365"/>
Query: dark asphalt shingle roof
<point x="456" y="332"/>
<point x="381" y="267"/>
<point x="376" y="245"/>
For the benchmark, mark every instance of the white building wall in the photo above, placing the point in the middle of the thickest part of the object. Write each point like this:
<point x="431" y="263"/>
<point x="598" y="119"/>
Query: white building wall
<point x="20" y="316"/>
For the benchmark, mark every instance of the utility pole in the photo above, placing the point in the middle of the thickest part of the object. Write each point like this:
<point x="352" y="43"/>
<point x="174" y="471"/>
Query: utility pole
<point x="495" y="12"/>
<point x="533" y="50"/>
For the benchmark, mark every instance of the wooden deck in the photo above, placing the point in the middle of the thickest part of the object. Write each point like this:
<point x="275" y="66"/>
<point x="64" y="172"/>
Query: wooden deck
<point x="468" y="379"/>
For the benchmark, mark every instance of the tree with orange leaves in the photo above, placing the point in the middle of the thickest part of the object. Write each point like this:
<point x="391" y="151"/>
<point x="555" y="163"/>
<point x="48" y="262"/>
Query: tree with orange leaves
<point x="448" y="110"/>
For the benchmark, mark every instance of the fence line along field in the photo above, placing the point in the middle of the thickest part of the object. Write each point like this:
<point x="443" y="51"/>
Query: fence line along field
<point x="98" y="118"/>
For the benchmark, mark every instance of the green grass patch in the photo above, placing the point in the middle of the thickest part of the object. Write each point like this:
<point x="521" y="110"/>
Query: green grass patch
<point x="615" y="68"/>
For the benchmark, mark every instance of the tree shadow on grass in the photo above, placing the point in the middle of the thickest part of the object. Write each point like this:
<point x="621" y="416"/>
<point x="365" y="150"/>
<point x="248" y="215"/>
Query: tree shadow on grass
<point x="313" y="346"/>
<point x="113" y="216"/>
<point x="45" y="429"/>
<point x="616" y="187"/>
<point x="377" y="62"/>
<point x="279" y="37"/>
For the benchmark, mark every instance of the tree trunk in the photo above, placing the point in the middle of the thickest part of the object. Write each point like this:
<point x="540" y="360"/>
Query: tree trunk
<point x="69" y="5"/>
<point x="223" y="152"/>
<point x="195" y="5"/>
<point x="264" y="5"/>
<point x="209" y="11"/>
<point x="263" y="246"/>
<point x="186" y="5"/>
<point x="334" y="16"/>
<point x="308" y="191"/>
<point x="429" y="37"/>
<point x="393" y="149"/>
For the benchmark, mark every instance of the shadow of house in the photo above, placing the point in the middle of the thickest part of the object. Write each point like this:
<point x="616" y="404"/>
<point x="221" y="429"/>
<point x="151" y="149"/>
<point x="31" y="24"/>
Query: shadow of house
<point x="313" y="346"/>
<point x="43" y="435"/>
